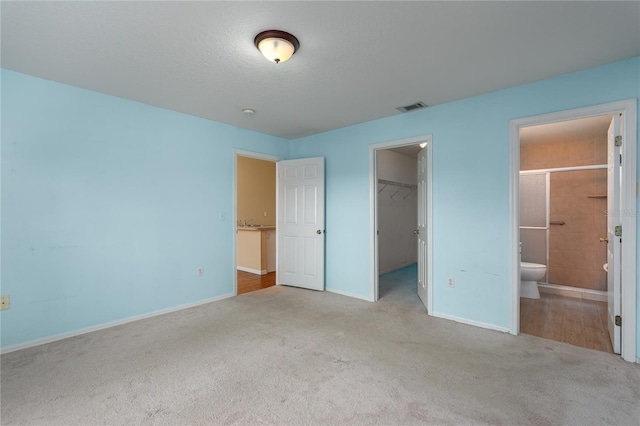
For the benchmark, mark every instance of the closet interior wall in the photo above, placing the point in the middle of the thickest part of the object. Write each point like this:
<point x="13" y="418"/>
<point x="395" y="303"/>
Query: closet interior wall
<point x="397" y="210"/>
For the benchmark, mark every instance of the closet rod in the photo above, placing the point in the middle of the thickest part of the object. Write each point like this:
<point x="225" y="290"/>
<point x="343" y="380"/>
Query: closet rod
<point x="390" y="182"/>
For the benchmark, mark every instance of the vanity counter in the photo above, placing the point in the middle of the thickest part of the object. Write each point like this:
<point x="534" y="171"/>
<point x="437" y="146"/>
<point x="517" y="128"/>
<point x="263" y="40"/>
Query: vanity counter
<point x="256" y="249"/>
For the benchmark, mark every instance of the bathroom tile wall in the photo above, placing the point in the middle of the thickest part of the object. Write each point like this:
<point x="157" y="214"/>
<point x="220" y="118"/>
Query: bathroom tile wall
<point x="579" y="200"/>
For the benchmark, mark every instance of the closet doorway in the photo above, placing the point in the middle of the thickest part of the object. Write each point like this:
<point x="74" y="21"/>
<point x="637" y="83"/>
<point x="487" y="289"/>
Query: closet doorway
<point x="401" y="221"/>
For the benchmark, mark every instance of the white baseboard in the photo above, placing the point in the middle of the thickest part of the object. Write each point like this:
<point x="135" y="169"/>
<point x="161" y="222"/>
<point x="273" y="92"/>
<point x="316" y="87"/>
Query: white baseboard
<point x="345" y="293"/>
<point x="252" y="271"/>
<point x="578" y="293"/>
<point x="472" y="322"/>
<point x="395" y="268"/>
<point x="38" y="342"/>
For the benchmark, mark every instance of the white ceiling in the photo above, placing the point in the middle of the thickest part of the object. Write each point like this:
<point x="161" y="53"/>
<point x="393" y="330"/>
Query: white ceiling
<point x="357" y="61"/>
<point x="573" y="129"/>
<point x="407" y="150"/>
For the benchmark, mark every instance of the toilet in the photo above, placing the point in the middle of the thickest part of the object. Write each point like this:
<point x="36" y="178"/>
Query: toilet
<point x="530" y="274"/>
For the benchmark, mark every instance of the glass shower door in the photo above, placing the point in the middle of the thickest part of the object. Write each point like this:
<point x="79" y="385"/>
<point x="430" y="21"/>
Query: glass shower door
<point x="534" y="218"/>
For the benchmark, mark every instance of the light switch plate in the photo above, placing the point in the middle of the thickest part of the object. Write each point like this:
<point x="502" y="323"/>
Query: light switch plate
<point x="4" y="303"/>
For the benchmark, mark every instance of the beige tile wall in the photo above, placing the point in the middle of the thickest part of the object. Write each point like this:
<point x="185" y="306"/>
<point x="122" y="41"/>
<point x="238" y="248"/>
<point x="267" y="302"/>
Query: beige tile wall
<point x="575" y="254"/>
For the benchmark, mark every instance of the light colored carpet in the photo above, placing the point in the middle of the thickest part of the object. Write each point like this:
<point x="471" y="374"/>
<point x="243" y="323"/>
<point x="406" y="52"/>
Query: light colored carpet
<point x="290" y="356"/>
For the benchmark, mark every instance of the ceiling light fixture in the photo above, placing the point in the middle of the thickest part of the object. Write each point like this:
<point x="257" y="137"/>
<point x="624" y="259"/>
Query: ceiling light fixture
<point x="277" y="46"/>
<point x="249" y="111"/>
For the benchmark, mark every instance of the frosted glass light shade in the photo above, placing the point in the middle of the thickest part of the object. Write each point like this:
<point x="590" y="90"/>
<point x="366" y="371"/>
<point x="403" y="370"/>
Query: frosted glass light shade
<point x="277" y="46"/>
<point x="276" y="49"/>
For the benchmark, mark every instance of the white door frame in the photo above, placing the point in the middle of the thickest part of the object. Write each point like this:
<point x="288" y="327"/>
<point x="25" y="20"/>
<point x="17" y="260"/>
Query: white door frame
<point x="628" y="108"/>
<point x="373" y="213"/>
<point x="234" y="191"/>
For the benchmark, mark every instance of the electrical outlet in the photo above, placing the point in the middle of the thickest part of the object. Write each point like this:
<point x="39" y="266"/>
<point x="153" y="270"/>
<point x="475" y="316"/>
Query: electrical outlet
<point x="451" y="282"/>
<point x="221" y="217"/>
<point x="265" y="214"/>
<point x="200" y="271"/>
<point x="4" y="303"/>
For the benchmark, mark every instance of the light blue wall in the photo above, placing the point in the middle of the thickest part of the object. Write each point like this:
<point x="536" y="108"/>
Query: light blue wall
<point x="470" y="185"/>
<point x="110" y="206"/>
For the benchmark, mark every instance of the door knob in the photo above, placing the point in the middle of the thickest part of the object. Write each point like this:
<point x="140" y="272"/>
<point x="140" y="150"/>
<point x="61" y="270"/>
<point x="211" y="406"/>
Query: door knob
<point x="604" y="240"/>
<point x="416" y="231"/>
<point x="318" y="232"/>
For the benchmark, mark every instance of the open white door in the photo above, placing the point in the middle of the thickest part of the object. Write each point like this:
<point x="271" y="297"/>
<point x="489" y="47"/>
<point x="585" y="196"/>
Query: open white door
<point x="422" y="227"/>
<point x="300" y="224"/>
<point x="614" y="232"/>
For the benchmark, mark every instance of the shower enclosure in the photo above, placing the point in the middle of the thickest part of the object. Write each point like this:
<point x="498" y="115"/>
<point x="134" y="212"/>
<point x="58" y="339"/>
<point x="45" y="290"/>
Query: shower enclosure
<point x="534" y="218"/>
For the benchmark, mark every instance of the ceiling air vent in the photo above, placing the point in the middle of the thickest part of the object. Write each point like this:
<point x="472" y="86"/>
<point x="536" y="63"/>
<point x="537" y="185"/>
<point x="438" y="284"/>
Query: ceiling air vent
<point x="411" y="107"/>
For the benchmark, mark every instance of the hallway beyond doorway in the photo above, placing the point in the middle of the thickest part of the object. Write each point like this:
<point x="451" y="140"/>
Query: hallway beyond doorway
<point x="248" y="282"/>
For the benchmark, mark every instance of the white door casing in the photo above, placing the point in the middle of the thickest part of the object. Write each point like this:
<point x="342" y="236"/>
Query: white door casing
<point x="628" y="212"/>
<point x="614" y="212"/>
<point x="422" y="228"/>
<point x="241" y="153"/>
<point x="300" y="223"/>
<point x="373" y="208"/>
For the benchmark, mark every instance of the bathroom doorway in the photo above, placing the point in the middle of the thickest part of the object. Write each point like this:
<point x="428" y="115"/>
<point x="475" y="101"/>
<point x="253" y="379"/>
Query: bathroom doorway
<point x="563" y="224"/>
<point x="255" y="221"/>
<point x="401" y="219"/>
<point x="568" y="254"/>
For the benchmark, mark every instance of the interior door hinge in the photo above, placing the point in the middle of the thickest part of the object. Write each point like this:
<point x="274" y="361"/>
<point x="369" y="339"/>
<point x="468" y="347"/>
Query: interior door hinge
<point x="618" y="140"/>
<point x="618" y="231"/>
<point x="618" y="320"/>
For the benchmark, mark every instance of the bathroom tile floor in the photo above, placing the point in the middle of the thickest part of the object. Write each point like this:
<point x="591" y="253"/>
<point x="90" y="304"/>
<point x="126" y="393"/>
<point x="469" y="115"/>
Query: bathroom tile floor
<point x="579" y="322"/>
